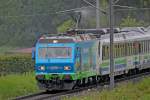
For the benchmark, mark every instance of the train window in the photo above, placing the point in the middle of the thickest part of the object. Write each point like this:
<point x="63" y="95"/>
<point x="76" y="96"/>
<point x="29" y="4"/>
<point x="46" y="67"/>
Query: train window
<point x="148" y="45"/>
<point x="42" y="52"/>
<point x="120" y="51"/>
<point x="124" y="51"/>
<point x="99" y="47"/>
<point x="142" y="46"/>
<point x="103" y="52"/>
<point x="106" y="52"/>
<point x="143" y="49"/>
<point x="115" y="51"/>
<point x="135" y="48"/>
<point x="128" y="46"/>
<point x="116" y="46"/>
<point x="131" y="49"/>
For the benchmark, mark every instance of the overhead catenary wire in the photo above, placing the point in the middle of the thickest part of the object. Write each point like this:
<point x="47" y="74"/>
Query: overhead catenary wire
<point x="102" y="10"/>
<point x="123" y="8"/>
<point x="130" y="7"/>
<point x="116" y="1"/>
<point x="53" y="13"/>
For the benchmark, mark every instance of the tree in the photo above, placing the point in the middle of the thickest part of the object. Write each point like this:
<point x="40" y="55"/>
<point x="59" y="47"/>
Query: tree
<point x="130" y="22"/>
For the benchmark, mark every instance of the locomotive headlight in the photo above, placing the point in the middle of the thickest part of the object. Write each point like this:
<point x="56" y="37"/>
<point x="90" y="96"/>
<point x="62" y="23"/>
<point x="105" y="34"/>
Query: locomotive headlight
<point x="42" y="68"/>
<point x="67" y="68"/>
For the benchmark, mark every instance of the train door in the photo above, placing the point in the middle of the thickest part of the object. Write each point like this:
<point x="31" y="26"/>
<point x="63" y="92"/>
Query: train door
<point x="129" y="57"/>
<point x="136" y="56"/>
<point x="98" y="57"/>
<point x="78" y="59"/>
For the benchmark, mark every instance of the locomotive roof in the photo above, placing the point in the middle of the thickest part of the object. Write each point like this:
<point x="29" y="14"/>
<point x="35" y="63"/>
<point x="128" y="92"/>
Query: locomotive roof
<point x="66" y="39"/>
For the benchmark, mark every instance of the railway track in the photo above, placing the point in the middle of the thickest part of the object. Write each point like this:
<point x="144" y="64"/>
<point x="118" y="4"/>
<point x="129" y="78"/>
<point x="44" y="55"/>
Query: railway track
<point x="57" y="94"/>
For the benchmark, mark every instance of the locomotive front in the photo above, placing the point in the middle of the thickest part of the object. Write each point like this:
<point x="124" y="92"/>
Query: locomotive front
<point x="54" y="63"/>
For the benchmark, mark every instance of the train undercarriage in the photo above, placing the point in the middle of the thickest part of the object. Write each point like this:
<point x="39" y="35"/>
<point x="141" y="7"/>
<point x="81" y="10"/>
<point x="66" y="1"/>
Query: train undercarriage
<point x="57" y="84"/>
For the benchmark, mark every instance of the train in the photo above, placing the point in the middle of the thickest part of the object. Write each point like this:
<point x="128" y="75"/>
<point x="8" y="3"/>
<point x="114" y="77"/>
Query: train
<point x="80" y="57"/>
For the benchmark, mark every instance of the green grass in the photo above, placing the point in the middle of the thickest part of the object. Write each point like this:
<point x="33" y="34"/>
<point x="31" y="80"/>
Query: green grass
<point x="125" y="91"/>
<point x="17" y="85"/>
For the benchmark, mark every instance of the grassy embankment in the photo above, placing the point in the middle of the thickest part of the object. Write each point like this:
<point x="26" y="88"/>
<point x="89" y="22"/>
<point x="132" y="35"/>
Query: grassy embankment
<point x="125" y="91"/>
<point x="17" y="85"/>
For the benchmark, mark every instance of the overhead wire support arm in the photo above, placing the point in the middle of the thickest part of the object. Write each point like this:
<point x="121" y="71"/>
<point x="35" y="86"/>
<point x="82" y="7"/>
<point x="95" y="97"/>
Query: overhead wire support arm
<point x="103" y="11"/>
<point x="75" y="9"/>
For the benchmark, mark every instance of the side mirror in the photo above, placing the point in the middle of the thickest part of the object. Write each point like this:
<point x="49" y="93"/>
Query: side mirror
<point x="33" y="53"/>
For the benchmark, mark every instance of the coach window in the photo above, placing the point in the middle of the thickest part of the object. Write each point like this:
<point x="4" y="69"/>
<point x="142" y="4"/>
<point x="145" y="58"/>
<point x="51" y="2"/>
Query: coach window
<point x="115" y="51"/>
<point x="143" y="42"/>
<point x="127" y="46"/>
<point x="99" y="49"/>
<point x="131" y="46"/>
<point x="107" y="52"/>
<point x="120" y="50"/>
<point x="145" y="46"/>
<point x="148" y="45"/>
<point x="142" y="47"/>
<point x="103" y="52"/>
<point x="132" y="53"/>
<point x="128" y="49"/>
<point x="124" y="49"/>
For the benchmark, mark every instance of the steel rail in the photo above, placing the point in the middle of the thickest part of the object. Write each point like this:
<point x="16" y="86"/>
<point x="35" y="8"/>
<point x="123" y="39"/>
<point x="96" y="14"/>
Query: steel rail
<point x="54" y="94"/>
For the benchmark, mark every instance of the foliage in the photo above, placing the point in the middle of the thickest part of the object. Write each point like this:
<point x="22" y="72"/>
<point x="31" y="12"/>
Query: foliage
<point x="20" y="20"/>
<point x="12" y="86"/>
<point x="130" y="22"/>
<point x="125" y="91"/>
<point x="66" y="25"/>
<point x="15" y="64"/>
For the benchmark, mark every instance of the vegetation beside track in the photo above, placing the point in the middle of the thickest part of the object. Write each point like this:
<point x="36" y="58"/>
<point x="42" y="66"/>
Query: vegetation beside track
<point x="12" y="86"/>
<point x="18" y="63"/>
<point x="125" y="91"/>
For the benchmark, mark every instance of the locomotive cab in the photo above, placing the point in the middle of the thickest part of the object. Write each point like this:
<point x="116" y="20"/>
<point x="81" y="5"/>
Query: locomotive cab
<point x="54" y="63"/>
<point x="55" y="58"/>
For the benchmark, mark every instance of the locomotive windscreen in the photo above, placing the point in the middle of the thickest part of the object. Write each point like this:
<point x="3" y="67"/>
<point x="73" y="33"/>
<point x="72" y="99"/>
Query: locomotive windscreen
<point x="55" y="52"/>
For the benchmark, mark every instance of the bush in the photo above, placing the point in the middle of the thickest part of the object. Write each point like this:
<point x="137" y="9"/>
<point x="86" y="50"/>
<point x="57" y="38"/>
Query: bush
<point x="10" y="64"/>
<point x="131" y="22"/>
